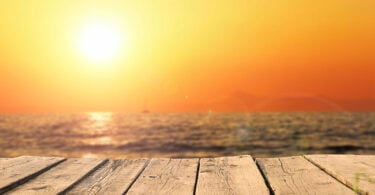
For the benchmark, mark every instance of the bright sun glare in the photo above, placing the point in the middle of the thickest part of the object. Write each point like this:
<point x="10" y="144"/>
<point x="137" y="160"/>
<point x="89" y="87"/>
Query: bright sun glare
<point x="99" y="42"/>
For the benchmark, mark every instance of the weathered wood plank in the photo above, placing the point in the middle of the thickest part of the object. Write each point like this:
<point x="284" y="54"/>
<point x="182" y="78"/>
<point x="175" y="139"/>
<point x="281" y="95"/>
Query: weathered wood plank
<point x="2" y="160"/>
<point x="5" y="162"/>
<point x="60" y="178"/>
<point x="167" y="176"/>
<point x="356" y="171"/>
<point x="296" y="175"/>
<point x="230" y="175"/>
<point x="115" y="177"/>
<point x="15" y="171"/>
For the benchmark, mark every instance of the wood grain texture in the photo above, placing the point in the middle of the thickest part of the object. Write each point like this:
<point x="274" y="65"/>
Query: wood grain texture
<point x="230" y="175"/>
<point x="167" y="176"/>
<point x="296" y="175"/>
<point x="115" y="177"/>
<point x="60" y="178"/>
<point x="356" y="171"/>
<point x="15" y="171"/>
<point x="3" y="161"/>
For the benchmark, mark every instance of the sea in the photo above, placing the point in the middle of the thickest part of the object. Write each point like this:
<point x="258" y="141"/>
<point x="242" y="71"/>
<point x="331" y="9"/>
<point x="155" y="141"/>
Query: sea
<point x="205" y="134"/>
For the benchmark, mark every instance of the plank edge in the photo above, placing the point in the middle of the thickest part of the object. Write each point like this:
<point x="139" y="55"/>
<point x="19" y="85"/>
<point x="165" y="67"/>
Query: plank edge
<point x="15" y="184"/>
<point x="197" y="176"/>
<point x="336" y="176"/>
<point x="103" y="162"/>
<point x="264" y="175"/>
<point x="137" y="176"/>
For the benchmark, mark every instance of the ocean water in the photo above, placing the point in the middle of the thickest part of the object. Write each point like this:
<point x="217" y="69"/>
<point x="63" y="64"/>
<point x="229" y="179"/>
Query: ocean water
<point x="135" y="135"/>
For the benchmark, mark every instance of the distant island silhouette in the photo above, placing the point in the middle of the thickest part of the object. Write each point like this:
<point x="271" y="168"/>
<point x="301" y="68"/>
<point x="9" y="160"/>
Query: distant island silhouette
<point x="242" y="101"/>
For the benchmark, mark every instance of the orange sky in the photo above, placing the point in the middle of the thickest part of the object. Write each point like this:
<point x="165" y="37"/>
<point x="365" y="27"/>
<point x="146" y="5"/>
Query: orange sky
<point x="181" y="53"/>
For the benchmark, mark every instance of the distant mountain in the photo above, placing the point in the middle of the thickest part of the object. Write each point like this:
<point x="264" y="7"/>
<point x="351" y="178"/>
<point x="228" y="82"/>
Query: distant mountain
<point x="302" y="103"/>
<point x="358" y="105"/>
<point x="240" y="101"/>
<point x="236" y="101"/>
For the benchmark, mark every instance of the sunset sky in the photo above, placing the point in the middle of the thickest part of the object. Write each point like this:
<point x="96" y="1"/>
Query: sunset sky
<point x="168" y="55"/>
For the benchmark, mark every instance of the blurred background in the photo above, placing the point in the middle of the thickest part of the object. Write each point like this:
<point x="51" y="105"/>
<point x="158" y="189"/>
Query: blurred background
<point x="181" y="79"/>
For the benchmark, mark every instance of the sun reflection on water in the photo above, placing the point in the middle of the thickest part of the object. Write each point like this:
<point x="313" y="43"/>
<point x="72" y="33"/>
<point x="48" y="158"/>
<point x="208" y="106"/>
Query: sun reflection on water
<point x="100" y="124"/>
<point x="100" y="116"/>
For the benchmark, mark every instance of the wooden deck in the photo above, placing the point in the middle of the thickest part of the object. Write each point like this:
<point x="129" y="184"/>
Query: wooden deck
<point x="310" y="174"/>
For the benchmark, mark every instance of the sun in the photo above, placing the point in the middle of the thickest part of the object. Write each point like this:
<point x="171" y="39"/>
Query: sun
<point x="99" y="41"/>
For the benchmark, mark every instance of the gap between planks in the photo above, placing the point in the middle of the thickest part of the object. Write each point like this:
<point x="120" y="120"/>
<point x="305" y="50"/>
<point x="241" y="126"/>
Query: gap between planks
<point x="60" y="178"/>
<point x="204" y="176"/>
<point x="296" y="175"/>
<point x="355" y="171"/>
<point x="115" y="177"/>
<point x="70" y="184"/>
<point x="19" y="170"/>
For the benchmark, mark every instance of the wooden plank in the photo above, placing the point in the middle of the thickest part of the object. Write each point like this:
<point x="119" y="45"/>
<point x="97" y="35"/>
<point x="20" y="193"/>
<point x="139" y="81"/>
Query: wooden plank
<point x="115" y="177"/>
<point x="356" y="171"/>
<point x="5" y="162"/>
<point x="296" y="175"/>
<point x="2" y="160"/>
<point x="60" y="178"/>
<point x="15" y="171"/>
<point x="167" y="176"/>
<point x="230" y="175"/>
